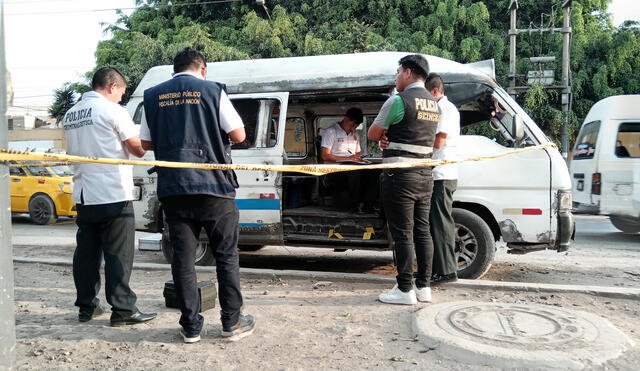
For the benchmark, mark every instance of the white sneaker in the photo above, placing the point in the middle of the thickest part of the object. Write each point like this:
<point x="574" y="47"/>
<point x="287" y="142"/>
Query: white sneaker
<point x="395" y="296"/>
<point x="423" y="294"/>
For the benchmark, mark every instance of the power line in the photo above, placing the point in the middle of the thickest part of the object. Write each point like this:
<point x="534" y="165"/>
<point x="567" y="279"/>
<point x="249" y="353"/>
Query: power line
<point x="116" y="9"/>
<point x="32" y="96"/>
<point x="20" y="2"/>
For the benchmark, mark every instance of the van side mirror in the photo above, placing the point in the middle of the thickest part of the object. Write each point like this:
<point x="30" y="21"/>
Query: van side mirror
<point x="518" y="128"/>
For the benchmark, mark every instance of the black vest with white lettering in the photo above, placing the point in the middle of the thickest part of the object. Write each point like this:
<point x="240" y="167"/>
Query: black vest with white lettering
<point x="418" y="126"/>
<point x="183" y="119"/>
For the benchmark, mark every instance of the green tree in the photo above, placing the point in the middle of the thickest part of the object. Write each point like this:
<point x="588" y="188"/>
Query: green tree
<point x="65" y="98"/>
<point x="603" y="58"/>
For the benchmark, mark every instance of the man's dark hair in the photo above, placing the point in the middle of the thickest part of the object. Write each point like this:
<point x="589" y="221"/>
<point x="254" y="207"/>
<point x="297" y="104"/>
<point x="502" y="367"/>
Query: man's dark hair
<point x="106" y="76"/>
<point x="354" y="114"/>
<point x="187" y="59"/>
<point x="434" y="81"/>
<point x="417" y="64"/>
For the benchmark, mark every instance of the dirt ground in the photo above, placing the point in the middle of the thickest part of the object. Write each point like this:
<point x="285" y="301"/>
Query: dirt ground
<point x="300" y="325"/>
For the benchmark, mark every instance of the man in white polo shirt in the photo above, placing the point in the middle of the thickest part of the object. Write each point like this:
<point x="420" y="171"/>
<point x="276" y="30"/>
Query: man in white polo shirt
<point x="340" y="142"/>
<point x="98" y="126"/>
<point x="445" y="182"/>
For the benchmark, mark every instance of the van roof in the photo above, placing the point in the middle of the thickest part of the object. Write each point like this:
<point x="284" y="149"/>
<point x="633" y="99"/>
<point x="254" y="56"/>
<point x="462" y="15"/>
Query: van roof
<point x="617" y="107"/>
<point x="322" y="72"/>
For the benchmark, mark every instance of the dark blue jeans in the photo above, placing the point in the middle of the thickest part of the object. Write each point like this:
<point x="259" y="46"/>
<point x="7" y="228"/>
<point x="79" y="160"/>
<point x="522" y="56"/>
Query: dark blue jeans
<point x="186" y="216"/>
<point x="108" y="230"/>
<point x="406" y="197"/>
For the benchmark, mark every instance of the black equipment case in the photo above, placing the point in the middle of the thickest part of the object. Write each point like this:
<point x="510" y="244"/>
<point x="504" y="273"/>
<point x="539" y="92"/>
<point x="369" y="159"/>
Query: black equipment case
<point x="206" y="290"/>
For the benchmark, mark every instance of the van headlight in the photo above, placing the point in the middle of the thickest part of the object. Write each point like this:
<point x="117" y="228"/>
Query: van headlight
<point x="565" y="200"/>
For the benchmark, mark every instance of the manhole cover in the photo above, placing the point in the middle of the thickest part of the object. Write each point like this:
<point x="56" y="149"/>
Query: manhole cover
<point x="516" y="335"/>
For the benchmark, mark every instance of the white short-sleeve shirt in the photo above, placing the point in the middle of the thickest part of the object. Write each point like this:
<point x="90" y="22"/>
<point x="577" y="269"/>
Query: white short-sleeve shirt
<point x="450" y="124"/>
<point x="339" y="142"/>
<point x="97" y="127"/>
<point x="228" y="116"/>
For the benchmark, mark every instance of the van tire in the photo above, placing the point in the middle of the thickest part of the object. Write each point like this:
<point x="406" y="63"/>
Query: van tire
<point x="475" y="246"/>
<point x="625" y="224"/>
<point x="250" y="247"/>
<point x="42" y="210"/>
<point x="204" y="254"/>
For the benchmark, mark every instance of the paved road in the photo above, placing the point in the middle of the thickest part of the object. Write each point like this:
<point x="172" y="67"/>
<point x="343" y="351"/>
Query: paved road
<point x="601" y="255"/>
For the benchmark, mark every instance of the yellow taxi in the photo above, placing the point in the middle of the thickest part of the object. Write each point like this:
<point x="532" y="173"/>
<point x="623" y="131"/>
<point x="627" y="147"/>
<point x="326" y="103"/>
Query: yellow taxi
<point x="42" y="190"/>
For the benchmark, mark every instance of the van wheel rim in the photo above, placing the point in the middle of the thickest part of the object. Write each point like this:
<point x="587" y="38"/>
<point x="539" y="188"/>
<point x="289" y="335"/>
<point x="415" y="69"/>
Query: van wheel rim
<point x="466" y="246"/>
<point x="201" y="250"/>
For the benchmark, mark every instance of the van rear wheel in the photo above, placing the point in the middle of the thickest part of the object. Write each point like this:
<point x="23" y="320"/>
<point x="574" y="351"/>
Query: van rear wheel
<point x="625" y="224"/>
<point x="475" y="246"/>
<point x="204" y="254"/>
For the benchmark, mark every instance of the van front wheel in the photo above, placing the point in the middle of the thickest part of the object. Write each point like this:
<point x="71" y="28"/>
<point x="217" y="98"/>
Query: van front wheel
<point x="625" y="224"/>
<point x="204" y="255"/>
<point x="475" y="247"/>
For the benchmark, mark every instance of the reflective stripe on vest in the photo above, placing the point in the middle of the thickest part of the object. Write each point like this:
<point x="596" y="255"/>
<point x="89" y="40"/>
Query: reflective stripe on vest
<point x="422" y="150"/>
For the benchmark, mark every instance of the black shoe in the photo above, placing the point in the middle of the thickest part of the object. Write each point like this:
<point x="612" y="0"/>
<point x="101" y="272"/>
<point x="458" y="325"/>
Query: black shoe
<point x="244" y="327"/>
<point x="85" y="316"/>
<point x="190" y="337"/>
<point x="134" y="319"/>
<point x="437" y="279"/>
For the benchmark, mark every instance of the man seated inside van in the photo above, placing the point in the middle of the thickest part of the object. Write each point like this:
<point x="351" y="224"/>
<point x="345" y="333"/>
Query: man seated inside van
<point x="340" y="143"/>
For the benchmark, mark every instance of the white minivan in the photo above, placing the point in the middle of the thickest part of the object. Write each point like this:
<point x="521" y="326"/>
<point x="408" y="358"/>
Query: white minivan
<point x="287" y="103"/>
<point x="606" y="152"/>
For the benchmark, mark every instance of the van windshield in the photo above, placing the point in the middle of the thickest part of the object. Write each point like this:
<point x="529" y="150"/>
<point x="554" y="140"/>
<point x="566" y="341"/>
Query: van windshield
<point x="585" y="146"/>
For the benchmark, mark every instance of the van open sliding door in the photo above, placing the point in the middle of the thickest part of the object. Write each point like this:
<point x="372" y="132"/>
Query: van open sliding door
<point x="259" y="195"/>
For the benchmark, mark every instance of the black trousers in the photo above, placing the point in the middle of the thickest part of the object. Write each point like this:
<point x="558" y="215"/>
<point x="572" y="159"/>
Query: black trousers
<point x="443" y="228"/>
<point x="186" y="216"/>
<point x="108" y="230"/>
<point x="406" y="198"/>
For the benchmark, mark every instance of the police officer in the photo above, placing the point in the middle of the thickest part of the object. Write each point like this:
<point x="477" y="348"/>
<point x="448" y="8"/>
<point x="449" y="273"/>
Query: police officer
<point x="98" y="126"/>
<point x="408" y="120"/>
<point x="190" y="119"/>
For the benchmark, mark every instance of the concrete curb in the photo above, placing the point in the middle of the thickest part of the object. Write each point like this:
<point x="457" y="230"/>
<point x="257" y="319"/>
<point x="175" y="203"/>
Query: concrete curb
<point x="610" y="292"/>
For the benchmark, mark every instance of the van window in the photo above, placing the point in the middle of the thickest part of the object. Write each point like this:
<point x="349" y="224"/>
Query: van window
<point x="295" y="138"/>
<point x="137" y="116"/>
<point x="585" y="146"/>
<point x="252" y="111"/>
<point x="372" y="149"/>
<point x="628" y="140"/>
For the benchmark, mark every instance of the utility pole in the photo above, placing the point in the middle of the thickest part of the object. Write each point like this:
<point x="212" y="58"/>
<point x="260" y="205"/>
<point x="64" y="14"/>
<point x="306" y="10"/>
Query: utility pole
<point x="7" y="319"/>
<point x="513" y="34"/>
<point x="565" y="85"/>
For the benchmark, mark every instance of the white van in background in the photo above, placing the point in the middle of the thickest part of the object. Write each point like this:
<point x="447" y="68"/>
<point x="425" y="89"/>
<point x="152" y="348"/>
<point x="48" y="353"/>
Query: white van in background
<point x="606" y="152"/>
<point x="286" y="103"/>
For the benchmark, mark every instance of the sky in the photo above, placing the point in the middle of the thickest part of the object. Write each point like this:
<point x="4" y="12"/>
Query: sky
<point x="50" y="42"/>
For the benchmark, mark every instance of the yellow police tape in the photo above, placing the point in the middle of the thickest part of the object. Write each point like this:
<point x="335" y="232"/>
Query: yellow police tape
<point x="319" y="169"/>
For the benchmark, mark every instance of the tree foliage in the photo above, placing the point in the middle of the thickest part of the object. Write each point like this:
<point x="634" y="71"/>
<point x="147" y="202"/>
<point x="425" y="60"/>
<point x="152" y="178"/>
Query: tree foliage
<point x="603" y="57"/>
<point x="65" y="98"/>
